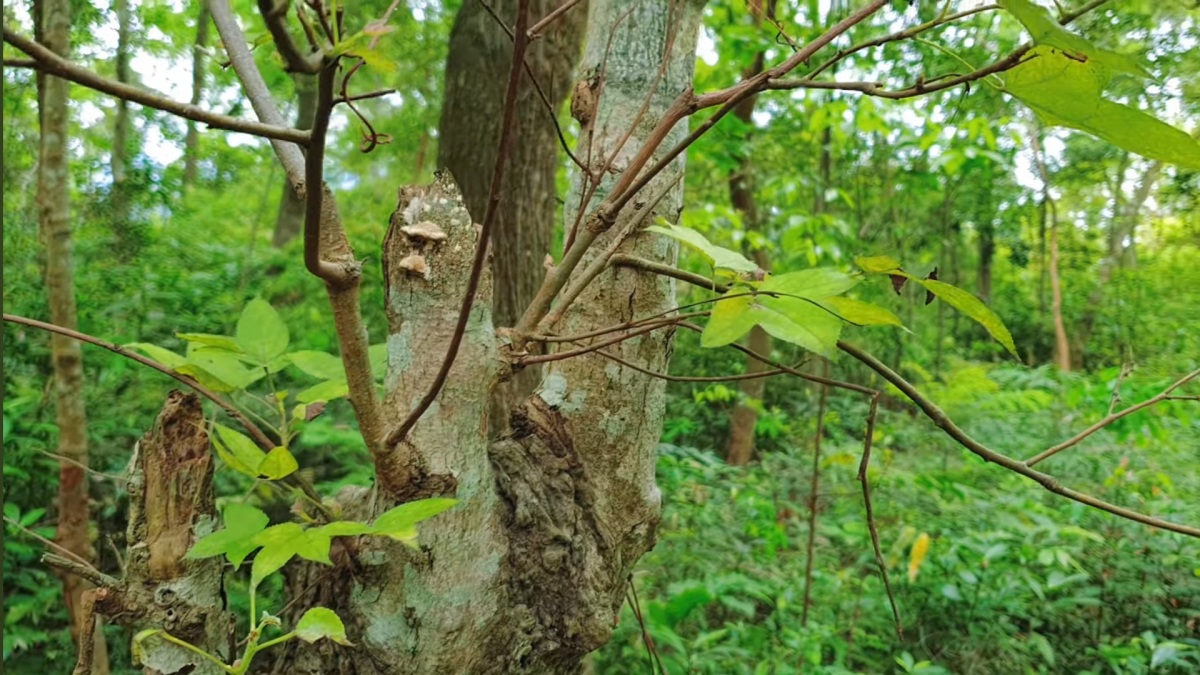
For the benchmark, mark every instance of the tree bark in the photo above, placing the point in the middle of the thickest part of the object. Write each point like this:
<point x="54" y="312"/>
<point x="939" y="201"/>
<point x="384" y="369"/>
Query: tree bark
<point x="290" y="219"/>
<point x="528" y="572"/>
<point x="191" y="143"/>
<point x="475" y="82"/>
<point x="53" y="21"/>
<point x="171" y="505"/>
<point x="1062" y="346"/>
<point x="125" y="235"/>
<point x="744" y="417"/>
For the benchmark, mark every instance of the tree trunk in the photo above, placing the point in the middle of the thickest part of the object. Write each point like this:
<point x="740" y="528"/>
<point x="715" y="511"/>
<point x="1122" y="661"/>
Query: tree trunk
<point x="53" y="20"/>
<point x="744" y="417"/>
<point x="191" y="142"/>
<point x="290" y="219"/>
<point x="475" y="82"/>
<point x="528" y="572"/>
<point x="126" y="234"/>
<point x="1062" y="346"/>
<point x="171" y="505"/>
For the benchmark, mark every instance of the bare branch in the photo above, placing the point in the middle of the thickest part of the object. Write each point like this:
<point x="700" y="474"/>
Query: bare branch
<point x="866" y="491"/>
<point x="314" y="185"/>
<point x="1108" y="419"/>
<point x="274" y="14"/>
<point x="934" y="413"/>
<point x="53" y="64"/>
<point x="538" y="28"/>
<point x="939" y="417"/>
<point x="256" y="89"/>
<point x="257" y="434"/>
<point x="689" y="378"/>
<point x="508" y="136"/>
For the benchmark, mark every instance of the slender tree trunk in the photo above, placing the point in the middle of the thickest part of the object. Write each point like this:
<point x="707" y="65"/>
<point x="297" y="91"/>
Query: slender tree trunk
<point x="290" y="219"/>
<point x="191" y="142"/>
<point x="53" y="20"/>
<point x="744" y="417"/>
<point x="125" y="233"/>
<point x="476" y="78"/>
<point x="1062" y="345"/>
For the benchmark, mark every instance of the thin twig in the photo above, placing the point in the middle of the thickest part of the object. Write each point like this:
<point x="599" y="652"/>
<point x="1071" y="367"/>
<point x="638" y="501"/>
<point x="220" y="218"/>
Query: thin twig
<point x="866" y="491"/>
<point x="256" y="434"/>
<point x="538" y="28"/>
<point x="814" y="491"/>
<point x="689" y="378"/>
<point x="53" y="64"/>
<point x="1110" y="418"/>
<point x="1050" y="483"/>
<point x="939" y="417"/>
<point x="651" y="652"/>
<point x="537" y="86"/>
<point x="508" y="136"/>
<point x="559" y="356"/>
<point x="80" y="569"/>
<point x="362" y="97"/>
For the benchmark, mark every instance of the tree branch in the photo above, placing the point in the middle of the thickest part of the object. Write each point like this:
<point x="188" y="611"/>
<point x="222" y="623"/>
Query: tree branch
<point x="274" y="14"/>
<point x="932" y="411"/>
<point x="257" y="434"/>
<point x="1108" y="419"/>
<point x="256" y="90"/>
<point x="314" y="184"/>
<point x="47" y="61"/>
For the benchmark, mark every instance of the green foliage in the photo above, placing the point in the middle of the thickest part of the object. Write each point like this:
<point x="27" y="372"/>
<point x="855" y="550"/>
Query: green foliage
<point x="1014" y="579"/>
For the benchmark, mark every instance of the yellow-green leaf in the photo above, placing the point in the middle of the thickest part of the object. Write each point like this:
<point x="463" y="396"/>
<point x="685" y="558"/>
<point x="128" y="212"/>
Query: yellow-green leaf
<point x="717" y="256"/>
<point x="799" y="322"/>
<point x="261" y="334"/>
<point x="278" y="464"/>
<point x="815" y="284"/>
<point x="322" y="622"/>
<point x="862" y="313"/>
<point x="879" y="264"/>
<point x="731" y="318"/>
<point x="1066" y="91"/>
<point x="237" y="451"/>
<point x="1046" y="31"/>
<point x="973" y="307"/>
<point x="164" y="356"/>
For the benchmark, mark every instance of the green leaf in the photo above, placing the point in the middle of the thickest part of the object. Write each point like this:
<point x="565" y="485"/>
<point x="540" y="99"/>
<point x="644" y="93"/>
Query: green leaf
<point x="164" y="356"/>
<point x="718" y="257"/>
<point x="261" y="334"/>
<point x="816" y="284"/>
<point x="400" y="522"/>
<point x="862" y="313"/>
<point x="322" y="622"/>
<point x="278" y="463"/>
<point x="345" y="528"/>
<point x="208" y="340"/>
<point x="731" y="318"/>
<point x="973" y="307"/>
<point x="325" y="391"/>
<point x="319" y="364"/>
<point x="220" y="369"/>
<point x="280" y="544"/>
<point x="242" y="524"/>
<point x="880" y="264"/>
<point x="1045" y="30"/>
<point x="799" y="322"/>
<point x="1067" y="92"/>
<point x="237" y="451"/>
